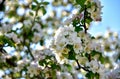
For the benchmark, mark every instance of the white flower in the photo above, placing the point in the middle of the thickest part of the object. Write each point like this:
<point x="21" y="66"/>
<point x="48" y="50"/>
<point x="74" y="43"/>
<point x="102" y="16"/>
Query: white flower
<point x="58" y="74"/>
<point x="64" y="75"/>
<point x="65" y="51"/>
<point x="114" y="74"/>
<point x="94" y="64"/>
<point x="78" y="48"/>
<point x="14" y="37"/>
<point x="36" y="38"/>
<point x="38" y="54"/>
<point x="97" y="67"/>
<point x="69" y="20"/>
<point x="33" y="69"/>
<point x="95" y="10"/>
<point x="37" y="27"/>
<point x="21" y="64"/>
<point x="96" y="16"/>
<point x="38" y="33"/>
<point x="41" y="54"/>
<point x="67" y="75"/>
<point x="27" y="23"/>
<point x="7" y="77"/>
<point x="6" y="28"/>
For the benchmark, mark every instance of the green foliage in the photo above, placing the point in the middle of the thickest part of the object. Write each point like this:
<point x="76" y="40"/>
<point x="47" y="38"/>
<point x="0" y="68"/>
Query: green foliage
<point x="34" y="7"/>
<point x="77" y="25"/>
<point x="81" y="2"/>
<point x="44" y="3"/>
<point x="43" y="10"/>
<point x="31" y="13"/>
<point x="71" y="53"/>
<point x="101" y="57"/>
<point x="6" y="41"/>
<point x="69" y="67"/>
<point x="77" y="29"/>
<point x="91" y="75"/>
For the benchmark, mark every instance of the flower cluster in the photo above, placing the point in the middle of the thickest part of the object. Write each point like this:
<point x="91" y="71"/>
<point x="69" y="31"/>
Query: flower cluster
<point x="4" y="28"/>
<point x="13" y="36"/>
<point x="41" y="54"/>
<point x="36" y="28"/>
<point x="96" y="67"/>
<point x="38" y="34"/>
<point x="62" y="75"/>
<point x="69" y="44"/>
<point x="80" y="42"/>
<point x="34" y="69"/>
<point x="94" y="9"/>
<point x="114" y="74"/>
<point x="66" y="35"/>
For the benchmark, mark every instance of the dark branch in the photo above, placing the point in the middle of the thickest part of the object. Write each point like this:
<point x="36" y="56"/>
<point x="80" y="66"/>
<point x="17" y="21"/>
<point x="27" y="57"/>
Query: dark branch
<point x="85" y="28"/>
<point x="30" y="52"/>
<point x="79" y="66"/>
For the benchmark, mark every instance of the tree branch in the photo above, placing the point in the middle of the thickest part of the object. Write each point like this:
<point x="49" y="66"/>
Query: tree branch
<point x="79" y="66"/>
<point x="85" y="28"/>
<point x="30" y="53"/>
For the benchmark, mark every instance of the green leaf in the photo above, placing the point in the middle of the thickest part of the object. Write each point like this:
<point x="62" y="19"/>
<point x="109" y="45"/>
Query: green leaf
<point x="31" y="13"/>
<point x="92" y="37"/>
<point x="101" y="58"/>
<point x="77" y="29"/>
<point x="34" y="7"/>
<point x="90" y="75"/>
<point x="42" y="62"/>
<point x="81" y="2"/>
<point x="97" y="75"/>
<point x="43" y="10"/>
<point x="88" y="19"/>
<point x="5" y="40"/>
<point x="45" y="3"/>
<point x="93" y="53"/>
<point x="55" y="66"/>
<point x="69" y="67"/>
<point x="76" y="22"/>
<point x="71" y="53"/>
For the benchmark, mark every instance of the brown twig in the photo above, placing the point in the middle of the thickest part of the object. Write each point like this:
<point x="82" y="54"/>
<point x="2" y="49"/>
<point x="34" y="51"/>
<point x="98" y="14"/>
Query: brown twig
<point x="85" y="28"/>
<point x="79" y="66"/>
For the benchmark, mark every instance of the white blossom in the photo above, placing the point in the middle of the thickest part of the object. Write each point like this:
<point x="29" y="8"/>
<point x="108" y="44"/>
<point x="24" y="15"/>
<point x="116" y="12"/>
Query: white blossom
<point x="37" y="33"/>
<point x="64" y="75"/>
<point x="33" y="69"/>
<point x="6" y="28"/>
<point x="21" y="64"/>
<point x="114" y="74"/>
<point x="7" y="77"/>
<point x="97" y="67"/>
<point x="95" y="10"/>
<point x="41" y="54"/>
<point x="14" y="37"/>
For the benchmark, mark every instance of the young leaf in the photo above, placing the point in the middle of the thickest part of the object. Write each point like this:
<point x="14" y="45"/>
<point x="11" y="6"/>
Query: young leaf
<point x="81" y="2"/>
<point x="77" y="29"/>
<point x="45" y="3"/>
<point x="5" y="40"/>
<point x="43" y="10"/>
